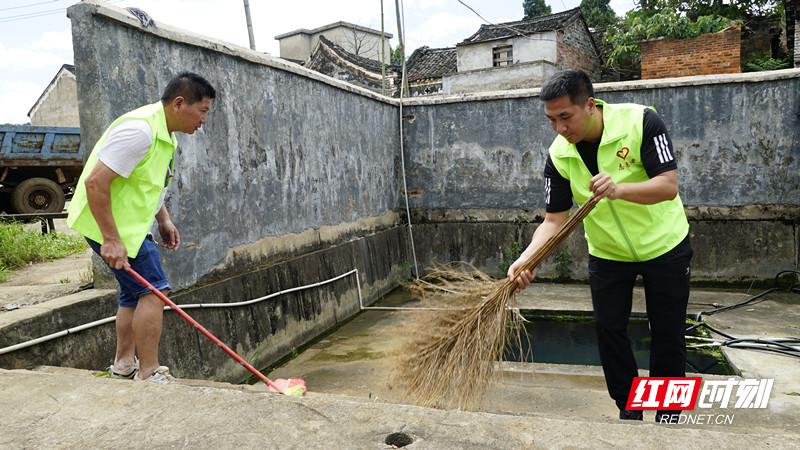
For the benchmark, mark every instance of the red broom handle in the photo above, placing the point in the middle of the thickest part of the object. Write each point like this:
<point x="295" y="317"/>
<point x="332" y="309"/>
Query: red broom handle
<point x="208" y="334"/>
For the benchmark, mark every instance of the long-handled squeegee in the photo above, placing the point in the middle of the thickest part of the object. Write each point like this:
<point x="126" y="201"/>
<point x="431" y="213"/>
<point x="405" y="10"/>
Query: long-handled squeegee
<point x="234" y="355"/>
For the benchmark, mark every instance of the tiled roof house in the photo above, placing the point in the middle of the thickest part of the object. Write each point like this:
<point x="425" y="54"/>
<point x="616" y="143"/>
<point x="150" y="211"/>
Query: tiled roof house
<point x="427" y="66"/>
<point x="510" y="55"/>
<point x="524" y="53"/>
<point x="333" y="60"/>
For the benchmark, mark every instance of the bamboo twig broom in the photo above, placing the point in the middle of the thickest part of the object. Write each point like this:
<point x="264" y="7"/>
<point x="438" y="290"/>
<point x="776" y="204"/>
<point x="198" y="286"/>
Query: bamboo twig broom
<point x="451" y="357"/>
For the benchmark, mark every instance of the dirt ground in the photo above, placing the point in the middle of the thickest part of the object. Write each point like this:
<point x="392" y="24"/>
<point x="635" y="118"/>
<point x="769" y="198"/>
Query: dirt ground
<point x="39" y="282"/>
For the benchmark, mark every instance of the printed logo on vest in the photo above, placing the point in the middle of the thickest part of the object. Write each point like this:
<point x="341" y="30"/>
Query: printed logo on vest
<point x="624" y="155"/>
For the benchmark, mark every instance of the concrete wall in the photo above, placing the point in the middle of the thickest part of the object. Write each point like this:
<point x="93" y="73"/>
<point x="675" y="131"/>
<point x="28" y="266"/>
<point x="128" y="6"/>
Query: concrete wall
<point x="479" y="159"/>
<point x="276" y="184"/>
<point x="296" y="47"/>
<point x="275" y="172"/>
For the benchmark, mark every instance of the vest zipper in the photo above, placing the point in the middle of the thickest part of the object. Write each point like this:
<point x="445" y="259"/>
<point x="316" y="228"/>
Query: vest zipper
<point x="622" y="230"/>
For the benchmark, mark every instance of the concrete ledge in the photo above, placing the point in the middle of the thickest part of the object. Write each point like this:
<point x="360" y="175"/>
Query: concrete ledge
<point x="83" y="349"/>
<point x="751" y="77"/>
<point x="732" y="245"/>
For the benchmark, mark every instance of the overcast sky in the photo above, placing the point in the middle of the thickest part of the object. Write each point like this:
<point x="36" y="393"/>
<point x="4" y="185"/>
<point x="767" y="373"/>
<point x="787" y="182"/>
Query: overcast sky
<point x="36" y="39"/>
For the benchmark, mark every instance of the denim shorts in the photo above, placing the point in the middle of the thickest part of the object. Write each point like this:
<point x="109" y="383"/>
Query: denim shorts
<point x="147" y="264"/>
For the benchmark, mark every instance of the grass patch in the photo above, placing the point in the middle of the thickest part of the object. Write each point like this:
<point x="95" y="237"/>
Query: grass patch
<point x="21" y="244"/>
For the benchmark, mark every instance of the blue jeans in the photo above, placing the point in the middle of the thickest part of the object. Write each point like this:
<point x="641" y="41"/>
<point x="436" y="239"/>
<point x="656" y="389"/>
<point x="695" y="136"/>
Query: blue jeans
<point x="147" y="264"/>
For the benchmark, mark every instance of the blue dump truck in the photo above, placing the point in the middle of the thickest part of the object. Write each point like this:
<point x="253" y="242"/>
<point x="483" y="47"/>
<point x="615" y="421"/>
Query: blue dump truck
<point x="39" y="167"/>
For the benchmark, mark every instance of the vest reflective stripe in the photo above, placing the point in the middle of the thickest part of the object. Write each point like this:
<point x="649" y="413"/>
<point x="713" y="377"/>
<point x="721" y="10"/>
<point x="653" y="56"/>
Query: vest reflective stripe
<point x="620" y="230"/>
<point x="134" y="199"/>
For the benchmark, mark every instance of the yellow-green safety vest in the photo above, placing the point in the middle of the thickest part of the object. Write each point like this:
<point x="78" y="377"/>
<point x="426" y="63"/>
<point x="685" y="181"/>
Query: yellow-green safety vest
<point x="620" y="230"/>
<point x="134" y="200"/>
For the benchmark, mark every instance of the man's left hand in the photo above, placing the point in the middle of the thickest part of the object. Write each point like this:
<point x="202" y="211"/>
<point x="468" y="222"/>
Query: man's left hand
<point x="170" y="238"/>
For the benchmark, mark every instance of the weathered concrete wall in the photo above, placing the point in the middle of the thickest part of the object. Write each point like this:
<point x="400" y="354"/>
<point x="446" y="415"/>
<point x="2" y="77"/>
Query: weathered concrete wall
<point x="292" y="181"/>
<point x="479" y="158"/>
<point x="278" y="169"/>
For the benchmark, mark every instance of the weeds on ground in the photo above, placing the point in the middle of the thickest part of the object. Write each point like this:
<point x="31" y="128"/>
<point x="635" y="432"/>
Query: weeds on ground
<point x="86" y="275"/>
<point x="20" y="245"/>
<point x="510" y="255"/>
<point x="563" y="264"/>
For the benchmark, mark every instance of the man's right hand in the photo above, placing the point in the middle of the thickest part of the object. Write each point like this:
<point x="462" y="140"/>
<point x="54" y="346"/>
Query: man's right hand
<point x="525" y="278"/>
<point x="113" y="251"/>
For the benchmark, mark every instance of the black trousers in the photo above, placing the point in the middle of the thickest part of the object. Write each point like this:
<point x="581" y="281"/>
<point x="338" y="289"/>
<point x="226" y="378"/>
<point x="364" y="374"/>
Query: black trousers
<point x="666" y="287"/>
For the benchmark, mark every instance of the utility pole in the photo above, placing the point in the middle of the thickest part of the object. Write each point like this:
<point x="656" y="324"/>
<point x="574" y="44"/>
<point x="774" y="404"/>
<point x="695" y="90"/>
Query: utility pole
<point x="383" y="55"/>
<point x="249" y="25"/>
<point x="402" y="47"/>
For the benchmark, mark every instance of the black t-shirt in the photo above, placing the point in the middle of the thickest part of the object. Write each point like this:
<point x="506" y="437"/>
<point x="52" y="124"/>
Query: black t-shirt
<point x="657" y="157"/>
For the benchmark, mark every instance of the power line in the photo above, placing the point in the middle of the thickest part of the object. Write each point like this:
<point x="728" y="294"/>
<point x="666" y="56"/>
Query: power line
<point x="28" y="6"/>
<point x="521" y="33"/>
<point x="38" y="13"/>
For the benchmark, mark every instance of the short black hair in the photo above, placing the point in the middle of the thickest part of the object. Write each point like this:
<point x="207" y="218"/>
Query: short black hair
<point x="190" y="86"/>
<point x="572" y="82"/>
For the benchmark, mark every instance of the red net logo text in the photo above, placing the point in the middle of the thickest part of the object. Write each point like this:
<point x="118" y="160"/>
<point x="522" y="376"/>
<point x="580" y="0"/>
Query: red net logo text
<point x="663" y="393"/>
<point x="682" y="393"/>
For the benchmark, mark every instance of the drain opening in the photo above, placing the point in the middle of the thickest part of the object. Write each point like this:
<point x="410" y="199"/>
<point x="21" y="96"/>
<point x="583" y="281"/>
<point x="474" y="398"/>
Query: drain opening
<point x="572" y="340"/>
<point x="399" y="440"/>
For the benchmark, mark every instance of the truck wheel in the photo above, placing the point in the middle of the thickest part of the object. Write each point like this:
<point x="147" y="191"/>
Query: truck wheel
<point x="38" y="195"/>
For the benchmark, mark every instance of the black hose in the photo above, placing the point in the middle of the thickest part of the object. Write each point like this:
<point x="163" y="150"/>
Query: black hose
<point x="759" y="347"/>
<point x="774" y="342"/>
<point x="703" y="324"/>
<point x="779" y="345"/>
<point x="793" y="288"/>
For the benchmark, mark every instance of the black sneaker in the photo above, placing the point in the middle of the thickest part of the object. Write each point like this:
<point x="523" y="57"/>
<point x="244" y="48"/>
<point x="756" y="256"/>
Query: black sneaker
<point x="628" y="414"/>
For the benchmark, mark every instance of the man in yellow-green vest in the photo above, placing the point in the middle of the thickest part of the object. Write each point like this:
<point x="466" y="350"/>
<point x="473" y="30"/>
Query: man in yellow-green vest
<point x="120" y="192"/>
<point x="621" y="156"/>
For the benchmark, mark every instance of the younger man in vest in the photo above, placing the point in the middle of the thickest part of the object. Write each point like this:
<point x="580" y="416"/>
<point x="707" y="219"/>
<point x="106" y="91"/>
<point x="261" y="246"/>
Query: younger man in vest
<point x="620" y="155"/>
<point x="119" y="193"/>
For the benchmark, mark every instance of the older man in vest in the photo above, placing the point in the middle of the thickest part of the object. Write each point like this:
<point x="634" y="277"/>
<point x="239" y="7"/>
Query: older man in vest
<point x="120" y="192"/>
<point x="621" y="156"/>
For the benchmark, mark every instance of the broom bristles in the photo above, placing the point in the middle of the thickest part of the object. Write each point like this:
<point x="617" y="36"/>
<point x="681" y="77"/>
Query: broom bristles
<point x="451" y="358"/>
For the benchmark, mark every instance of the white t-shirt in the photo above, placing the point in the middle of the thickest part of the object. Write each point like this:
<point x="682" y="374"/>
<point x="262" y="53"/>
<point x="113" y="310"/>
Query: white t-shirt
<point x="125" y="147"/>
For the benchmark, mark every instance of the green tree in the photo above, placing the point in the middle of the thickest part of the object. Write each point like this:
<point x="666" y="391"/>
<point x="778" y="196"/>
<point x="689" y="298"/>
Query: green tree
<point x="396" y="55"/>
<point x="598" y="14"/>
<point x="535" y="8"/>
<point x="732" y="9"/>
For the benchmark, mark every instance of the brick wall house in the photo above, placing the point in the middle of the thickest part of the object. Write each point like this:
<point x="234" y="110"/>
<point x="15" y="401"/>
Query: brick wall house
<point x="711" y="53"/>
<point x="576" y="49"/>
